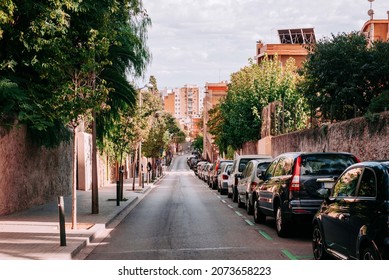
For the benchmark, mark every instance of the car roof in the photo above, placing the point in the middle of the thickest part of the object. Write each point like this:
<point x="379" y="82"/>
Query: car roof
<point x="296" y="154"/>
<point x="253" y="156"/>
<point x="373" y="163"/>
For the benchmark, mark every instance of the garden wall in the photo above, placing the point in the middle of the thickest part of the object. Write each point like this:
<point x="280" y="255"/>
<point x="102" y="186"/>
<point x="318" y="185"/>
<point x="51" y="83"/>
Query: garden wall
<point x="29" y="174"/>
<point x="367" y="138"/>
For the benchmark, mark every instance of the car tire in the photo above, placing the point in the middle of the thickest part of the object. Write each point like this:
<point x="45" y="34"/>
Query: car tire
<point x="370" y="253"/>
<point x="259" y="217"/>
<point x="249" y="206"/>
<point x="318" y="247"/>
<point x="281" y="225"/>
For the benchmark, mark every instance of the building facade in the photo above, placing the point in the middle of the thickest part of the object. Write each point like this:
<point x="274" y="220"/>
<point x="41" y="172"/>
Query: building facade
<point x="292" y="44"/>
<point x="214" y="92"/>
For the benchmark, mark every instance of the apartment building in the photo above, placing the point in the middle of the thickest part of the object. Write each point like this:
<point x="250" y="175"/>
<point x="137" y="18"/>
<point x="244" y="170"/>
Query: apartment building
<point x="292" y="44"/>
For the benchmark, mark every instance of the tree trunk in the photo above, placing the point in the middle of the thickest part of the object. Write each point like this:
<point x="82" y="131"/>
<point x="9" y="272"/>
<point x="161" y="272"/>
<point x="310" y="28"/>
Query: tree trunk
<point x="95" y="187"/>
<point x="74" y="180"/>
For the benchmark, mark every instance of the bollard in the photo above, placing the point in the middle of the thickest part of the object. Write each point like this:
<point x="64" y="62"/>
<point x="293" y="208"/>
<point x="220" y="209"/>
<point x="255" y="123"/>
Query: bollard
<point x="117" y="193"/>
<point x="61" y="212"/>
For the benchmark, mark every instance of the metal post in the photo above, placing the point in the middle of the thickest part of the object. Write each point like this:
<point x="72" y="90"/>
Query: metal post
<point x="61" y="213"/>
<point x="117" y="193"/>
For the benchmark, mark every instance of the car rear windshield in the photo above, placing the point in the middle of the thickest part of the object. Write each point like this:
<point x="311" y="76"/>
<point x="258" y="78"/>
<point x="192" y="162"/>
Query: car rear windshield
<point x="325" y="164"/>
<point x="242" y="164"/>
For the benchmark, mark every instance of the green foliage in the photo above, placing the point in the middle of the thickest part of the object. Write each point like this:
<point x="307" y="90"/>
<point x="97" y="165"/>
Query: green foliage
<point x="342" y="75"/>
<point x="59" y="60"/>
<point x="238" y="118"/>
<point x="380" y="103"/>
<point x="198" y="143"/>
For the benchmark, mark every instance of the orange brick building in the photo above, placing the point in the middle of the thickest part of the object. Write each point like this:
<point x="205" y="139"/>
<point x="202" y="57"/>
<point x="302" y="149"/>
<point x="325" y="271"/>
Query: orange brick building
<point x="376" y="29"/>
<point x="213" y="93"/>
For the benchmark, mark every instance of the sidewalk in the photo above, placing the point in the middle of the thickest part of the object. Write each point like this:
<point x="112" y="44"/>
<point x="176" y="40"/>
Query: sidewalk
<point x="34" y="234"/>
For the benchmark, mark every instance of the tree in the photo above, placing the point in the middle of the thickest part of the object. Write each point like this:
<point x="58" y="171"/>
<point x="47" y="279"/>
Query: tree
<point x="198" y="143"/>
<point x="238" y="118"/>
<point x="61" y="58"/>
<point x="342" y="74"/>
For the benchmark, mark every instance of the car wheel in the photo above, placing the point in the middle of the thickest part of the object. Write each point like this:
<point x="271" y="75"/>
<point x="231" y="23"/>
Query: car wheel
<point x="370" y="253"/>
<point x="318" y="247"/>
<point x="281" y="226"/>
<point x="249" y="206"/>
<point x="259" y="217"/>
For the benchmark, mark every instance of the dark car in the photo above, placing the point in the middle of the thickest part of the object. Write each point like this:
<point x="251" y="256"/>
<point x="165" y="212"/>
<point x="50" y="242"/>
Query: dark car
<point x="352" y="222"/>
<point x="292" y="187"/>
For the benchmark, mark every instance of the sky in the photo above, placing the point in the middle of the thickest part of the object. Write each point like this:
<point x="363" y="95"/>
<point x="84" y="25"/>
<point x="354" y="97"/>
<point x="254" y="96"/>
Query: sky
<point x="198" y="41"/>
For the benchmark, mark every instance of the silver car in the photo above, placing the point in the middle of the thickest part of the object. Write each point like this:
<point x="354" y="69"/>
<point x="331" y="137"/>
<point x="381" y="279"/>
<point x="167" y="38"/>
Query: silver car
<point x="249" y="181"/>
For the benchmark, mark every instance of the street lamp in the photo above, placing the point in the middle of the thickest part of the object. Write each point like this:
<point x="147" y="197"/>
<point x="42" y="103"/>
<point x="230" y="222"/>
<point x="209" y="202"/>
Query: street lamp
<point x="140" y="175"/>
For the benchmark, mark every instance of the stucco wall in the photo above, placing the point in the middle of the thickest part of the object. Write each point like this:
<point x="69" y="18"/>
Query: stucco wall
<point x="367" y="139"/>
<point x="31" y="175"/>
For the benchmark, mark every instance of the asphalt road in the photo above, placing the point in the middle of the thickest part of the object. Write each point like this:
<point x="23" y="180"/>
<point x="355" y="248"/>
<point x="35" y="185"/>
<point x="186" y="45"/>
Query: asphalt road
<point x="182" y="218"/>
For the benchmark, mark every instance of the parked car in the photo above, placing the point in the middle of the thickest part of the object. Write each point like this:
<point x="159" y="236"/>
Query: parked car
<point x="199" y="168"/>
<point x="292" y="186"/>
<point x="196" y="166"/>
<point x="249" y="180"/>
<point x="352" y="222"/>
<point x="237" y="168"/>
<point x="216" y="170"/>
<point x="206" y="172"/>
<point x="223" y="177"/>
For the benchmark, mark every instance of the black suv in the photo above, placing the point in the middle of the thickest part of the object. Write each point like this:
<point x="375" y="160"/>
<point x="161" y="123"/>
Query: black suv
<point x="352" y="222"/>
<point x="293" y="185"/>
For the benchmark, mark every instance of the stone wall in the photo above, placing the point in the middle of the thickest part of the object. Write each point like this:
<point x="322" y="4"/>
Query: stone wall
<point x="368" y="139"/>
<point x="31" y="175"/>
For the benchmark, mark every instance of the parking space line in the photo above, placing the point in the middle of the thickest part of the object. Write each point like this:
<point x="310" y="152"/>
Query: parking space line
<point x="238" y="213"/>
<point x="232" y="207"/>
<point x="289" y="254"/>
<point x="249" y="222"/>
<point x="264" y="234"/>
<point x="224" y="201"/>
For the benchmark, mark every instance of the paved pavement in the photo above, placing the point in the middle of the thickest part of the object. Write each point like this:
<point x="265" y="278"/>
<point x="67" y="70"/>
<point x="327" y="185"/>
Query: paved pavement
<point x="34" y="234"/>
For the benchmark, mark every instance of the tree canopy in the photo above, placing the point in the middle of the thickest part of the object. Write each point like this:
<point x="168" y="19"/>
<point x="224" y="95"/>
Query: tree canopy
<point x="343" y="73"/>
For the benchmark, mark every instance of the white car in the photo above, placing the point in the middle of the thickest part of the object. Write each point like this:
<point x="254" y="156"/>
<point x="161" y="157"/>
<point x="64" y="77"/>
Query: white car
<point x="222" y="179"/>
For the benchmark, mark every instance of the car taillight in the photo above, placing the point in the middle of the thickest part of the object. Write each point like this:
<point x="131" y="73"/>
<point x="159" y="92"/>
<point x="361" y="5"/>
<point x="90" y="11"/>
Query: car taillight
<point x="295" y="184"/>
<point x="253" y="185"/>
<point x="225" y="177"/>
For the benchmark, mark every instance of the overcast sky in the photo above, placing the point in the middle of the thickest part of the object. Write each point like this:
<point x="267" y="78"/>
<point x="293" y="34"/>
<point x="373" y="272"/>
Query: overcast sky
<point x="199" y="41"/>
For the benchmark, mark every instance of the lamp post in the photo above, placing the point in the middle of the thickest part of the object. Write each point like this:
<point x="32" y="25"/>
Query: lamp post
<point x="140" y="175"/>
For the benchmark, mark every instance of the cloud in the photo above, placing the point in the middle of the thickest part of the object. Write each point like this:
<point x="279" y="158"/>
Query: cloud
<point x="199" y="41"/>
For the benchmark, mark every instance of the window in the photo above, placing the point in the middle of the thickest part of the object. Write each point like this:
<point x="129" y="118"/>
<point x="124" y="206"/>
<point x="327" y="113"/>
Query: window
<point x="347" y="184"/>
<point x="270" y="170"/>
<point x="367" y="187"/>
<point x="284" y="167"/>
